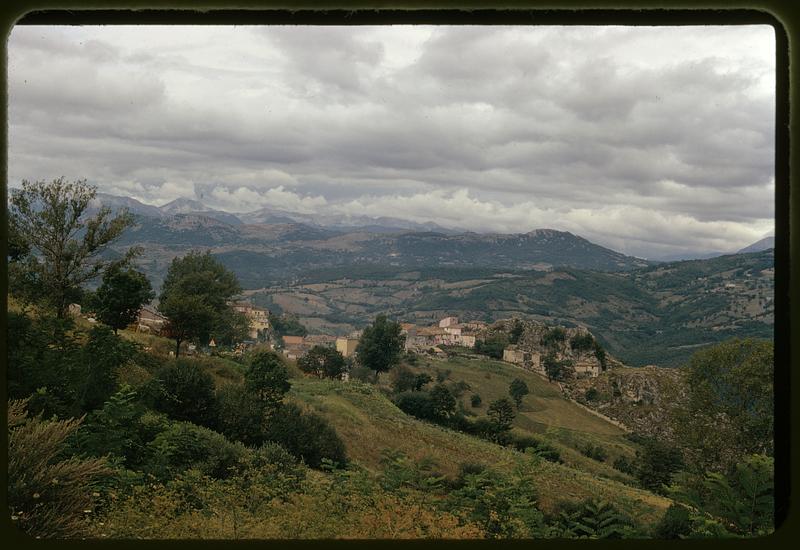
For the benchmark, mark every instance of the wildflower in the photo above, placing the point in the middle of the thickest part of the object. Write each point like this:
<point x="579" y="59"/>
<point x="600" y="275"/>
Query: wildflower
<point x="95" y="494"/>
<point x="55" y="481"/>
<point x="14" y="518"/>
<point x="87" y="511"/>
<point x="35" y="495"/>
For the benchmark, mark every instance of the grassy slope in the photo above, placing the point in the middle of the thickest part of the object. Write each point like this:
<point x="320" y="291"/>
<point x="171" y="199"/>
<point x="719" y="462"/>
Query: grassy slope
<point x="369" y="423"/>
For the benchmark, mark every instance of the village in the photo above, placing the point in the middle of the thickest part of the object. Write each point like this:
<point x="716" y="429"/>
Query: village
<point x="437" y="340"/>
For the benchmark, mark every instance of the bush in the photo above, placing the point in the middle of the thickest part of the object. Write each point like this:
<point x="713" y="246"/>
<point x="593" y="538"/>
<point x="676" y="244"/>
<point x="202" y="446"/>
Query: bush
<point x="657" y="462"/>
<point x="47" y="494"/>
<point x="591" y="394"/>
<point x="625" y="466"/>
<point x="417" y="404"/>
<point x="593" y="519"/>
<point x="267" y="378"/>
<point x="240" y="415"/>
<point x="582" y="342"/>
<point x="403" y="379"/>
<point x="595" y="452"/>
<point x="306" y="435"/>
<point x="676" y="523"/>
<point x="536" y="447"/>
<point x="185" y="392"/>
<point x="184" y="445"/>
<point x="554" y="336"/>
<point x="323" y="362"/>
<point x="362" y="374"/>
<point x="475" y="400"/>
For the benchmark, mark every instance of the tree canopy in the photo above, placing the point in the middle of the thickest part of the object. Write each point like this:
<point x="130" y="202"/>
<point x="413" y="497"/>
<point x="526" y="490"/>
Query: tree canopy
<point x="56" y="246"/>
<point x="195" y="298"/>
<point x="517" y="390"/>
<point x="120" y="297"/>
<point x="381" y="345"/>
<point x="323" y="362"/>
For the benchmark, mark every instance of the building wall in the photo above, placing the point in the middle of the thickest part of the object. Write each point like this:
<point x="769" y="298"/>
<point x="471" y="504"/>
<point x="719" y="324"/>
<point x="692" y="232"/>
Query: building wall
<point x="346" y="346"/>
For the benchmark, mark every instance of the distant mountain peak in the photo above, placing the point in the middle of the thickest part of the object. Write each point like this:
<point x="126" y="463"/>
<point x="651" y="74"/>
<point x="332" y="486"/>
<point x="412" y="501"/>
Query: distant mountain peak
<point x="763" y="244"/>
<point x="183" y="205"/>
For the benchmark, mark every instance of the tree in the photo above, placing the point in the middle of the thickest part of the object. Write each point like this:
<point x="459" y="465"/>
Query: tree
<point x="421" y="380"/>
<point x="517" y="390"/>
<point x="442" y="401"/>
<point x="553" y="367"/>
<point x="657" y="462"/>
<point x="195" y="297"/>
<point x="381" y="345"/>
<point x="52" y="260"/>
<point x="267" y="378"/>
<point x="730" y="404"/>
<point x="120" y="297"/>
<point x="501" y="414"/>
<point x="186" y="393"/>
<point x="516" y="331"/>
<point x="323" y="362"/>
<point x="403" y="379"/>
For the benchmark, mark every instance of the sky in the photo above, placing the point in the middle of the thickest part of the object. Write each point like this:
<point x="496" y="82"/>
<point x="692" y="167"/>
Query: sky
<point x="653" y="141"/>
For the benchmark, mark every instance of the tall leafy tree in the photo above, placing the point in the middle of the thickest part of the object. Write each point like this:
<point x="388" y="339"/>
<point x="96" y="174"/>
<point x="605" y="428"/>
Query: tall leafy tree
<point x="729" y="411"/>
<point x="57" y="246"/>
<point x="195" y="297"/>
<point x="381" y="345"/>
<point x="267" y="378"/>
<point x="120" y="297"/>
<point x="501" y="413"/>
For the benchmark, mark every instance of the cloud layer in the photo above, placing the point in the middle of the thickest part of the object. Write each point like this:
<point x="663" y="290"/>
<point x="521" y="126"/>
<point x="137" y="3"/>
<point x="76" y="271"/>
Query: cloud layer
<point x="650" y="140"/>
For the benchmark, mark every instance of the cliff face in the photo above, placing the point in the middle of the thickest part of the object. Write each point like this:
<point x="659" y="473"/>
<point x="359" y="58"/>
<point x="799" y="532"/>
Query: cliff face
<point x="640" y="398"/>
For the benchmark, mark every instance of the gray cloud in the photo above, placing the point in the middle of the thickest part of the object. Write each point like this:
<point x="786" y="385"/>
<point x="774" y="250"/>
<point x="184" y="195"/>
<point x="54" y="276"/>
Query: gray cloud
<point x="648" y="140"/>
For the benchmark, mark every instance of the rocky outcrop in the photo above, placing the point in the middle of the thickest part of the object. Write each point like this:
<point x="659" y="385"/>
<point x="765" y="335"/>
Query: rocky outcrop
<point x="640" y="398"/>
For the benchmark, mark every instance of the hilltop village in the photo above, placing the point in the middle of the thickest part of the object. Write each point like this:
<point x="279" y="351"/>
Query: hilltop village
<point x="533" y="346"/>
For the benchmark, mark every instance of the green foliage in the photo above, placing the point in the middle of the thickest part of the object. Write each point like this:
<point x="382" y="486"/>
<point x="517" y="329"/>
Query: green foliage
<point x="656" y="463"/>
<point x="240" y="414"/>
<point x="517" y="390"/>
<point x="555" y="369"/>
<point x="501" y="412"/>
<point x="595" y="452"/>
<point x="624" y="465"/>
<point x="536" y="447"/>
<point x="741" y="502"/>
<point x="306" y="435"/>
<point x="730" y="409"/>
<point x="403" y="379"/>
<point x="183" y="446"/>
<point x="416" y="403"/>
<point x="194" y="298"/>
<point x="286" y="325"/>
<point x="48" y="494"/>
<point x="112" y="429"/>
<point x="600" y="353"/>
<point x="47" y="217"/>
<point x="504" y="506"/>
<point x="553" y="337"/>
<point x="44" y="359"/>
<point x="475" y="400"/>
<point x="185" y="391"/>
<point x="323" y="362"/>
<point x="267" y="378"/>
<point x="381" y="345"/>
<point x="102" y="356"/>
<point x="492" y="346"/>
<point x="591" y="394"/>
<point x="120" y="297"/>
<point x="582" y="342"/>
<point x="676" y="523"/>
<point x="443" y="404"/>
<point x="421" y="380"/>
<point x="362" y="374"/>
<point x="401" y="474"/>
<point x="516" y="331"/>
<point x="594" y="519"/>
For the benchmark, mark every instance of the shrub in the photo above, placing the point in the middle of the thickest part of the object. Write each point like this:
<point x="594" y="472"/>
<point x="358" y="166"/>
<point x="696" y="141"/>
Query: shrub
<point x="554" y="336"/>
<point x="267" y="378"/>
<point x="443" y="404"/>
<point x="656" y="463"/>
<point x="676" y="523"/>
<point x="537" y="447"/>
<point x="593" y="519"/>
<point x="582" y="342"/>
<point x="362" y="374"/>
<point x="402" y="379"/>
<point x="185" y="392"/>
<point x="184" y="445"/>
<point x="418" y="404"/>
<point x="47" y="494"/>
<point x="595" y="452"/>
<point x="624" y="465"/>
<point x="323" y="362"/>
<point x="240" y="415"/>
<point x="591" y="394"/>
<point x="475" y="400"/>
<point x="306" y="435"/>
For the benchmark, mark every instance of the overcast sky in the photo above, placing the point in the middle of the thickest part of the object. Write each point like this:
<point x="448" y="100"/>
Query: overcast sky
<point x="648" y="140"/>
